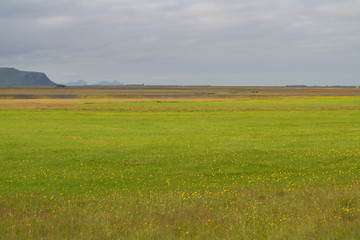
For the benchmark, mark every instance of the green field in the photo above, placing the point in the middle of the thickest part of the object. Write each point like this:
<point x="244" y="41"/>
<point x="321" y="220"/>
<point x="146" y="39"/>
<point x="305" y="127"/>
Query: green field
<point x="255" y="168"/>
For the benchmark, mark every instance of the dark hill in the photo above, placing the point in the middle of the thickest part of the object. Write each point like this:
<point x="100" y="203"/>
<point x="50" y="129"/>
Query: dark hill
<point x="14" y="77"/>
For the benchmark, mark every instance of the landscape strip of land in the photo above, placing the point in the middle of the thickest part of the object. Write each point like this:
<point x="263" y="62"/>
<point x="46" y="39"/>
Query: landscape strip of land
<point x="230" y="165"/>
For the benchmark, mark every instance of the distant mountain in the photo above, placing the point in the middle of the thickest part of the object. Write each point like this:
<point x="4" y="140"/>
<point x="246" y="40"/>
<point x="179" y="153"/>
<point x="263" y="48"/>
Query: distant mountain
<point x="108" y="83"/>
<point x="84" y="83"/>
<point x="14" y="77"/>
<point x="76" y="83"/>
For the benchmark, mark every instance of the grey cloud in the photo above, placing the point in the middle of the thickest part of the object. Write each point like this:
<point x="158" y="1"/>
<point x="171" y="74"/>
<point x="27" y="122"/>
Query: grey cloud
<point x="181" y="42"/>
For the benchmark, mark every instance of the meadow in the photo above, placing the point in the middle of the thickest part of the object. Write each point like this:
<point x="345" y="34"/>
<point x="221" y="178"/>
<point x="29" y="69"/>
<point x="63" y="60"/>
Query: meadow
<point x="275" y="166"/>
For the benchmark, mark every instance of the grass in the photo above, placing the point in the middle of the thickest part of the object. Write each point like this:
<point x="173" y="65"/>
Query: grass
<point x="193" y="170"/>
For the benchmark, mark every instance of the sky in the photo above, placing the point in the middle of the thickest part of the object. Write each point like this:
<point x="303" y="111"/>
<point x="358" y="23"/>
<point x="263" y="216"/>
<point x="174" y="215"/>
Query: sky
<point x="184" y="42"/>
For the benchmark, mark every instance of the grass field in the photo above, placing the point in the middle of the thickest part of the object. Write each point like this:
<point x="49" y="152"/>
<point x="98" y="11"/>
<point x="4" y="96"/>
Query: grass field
<point x="275" y="166"/>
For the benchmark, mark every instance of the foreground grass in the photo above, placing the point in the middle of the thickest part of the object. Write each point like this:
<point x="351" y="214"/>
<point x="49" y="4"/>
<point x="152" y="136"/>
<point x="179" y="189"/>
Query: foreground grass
<point x="179" y="174"/>
<point x="255" y="213"/>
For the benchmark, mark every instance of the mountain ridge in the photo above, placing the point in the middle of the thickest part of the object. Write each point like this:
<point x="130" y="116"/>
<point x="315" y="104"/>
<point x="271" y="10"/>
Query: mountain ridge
<point x="12" y="77"/>
<point x="101" y="83"/>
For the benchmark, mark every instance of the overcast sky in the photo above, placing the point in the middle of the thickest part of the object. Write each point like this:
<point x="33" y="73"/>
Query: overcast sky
<point x="227" y="42"/>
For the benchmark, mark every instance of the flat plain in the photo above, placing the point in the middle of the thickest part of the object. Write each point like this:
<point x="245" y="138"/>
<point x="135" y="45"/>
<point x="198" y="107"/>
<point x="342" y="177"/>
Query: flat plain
<point x="180" y="163"/>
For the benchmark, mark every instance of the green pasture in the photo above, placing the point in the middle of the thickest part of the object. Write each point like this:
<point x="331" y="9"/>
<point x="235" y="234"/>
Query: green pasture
<point x="179" y="174"/>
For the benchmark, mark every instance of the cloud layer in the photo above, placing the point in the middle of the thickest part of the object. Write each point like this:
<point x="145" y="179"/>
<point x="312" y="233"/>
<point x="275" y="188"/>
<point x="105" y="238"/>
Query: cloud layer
<point x="229" y="42"/>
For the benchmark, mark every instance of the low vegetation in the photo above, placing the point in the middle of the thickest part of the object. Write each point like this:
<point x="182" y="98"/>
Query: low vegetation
<point x="254" y="168"/>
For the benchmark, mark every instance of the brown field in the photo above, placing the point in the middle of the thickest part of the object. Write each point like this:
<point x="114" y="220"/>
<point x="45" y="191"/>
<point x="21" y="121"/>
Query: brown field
<point x="72" y="104"/>
<point x="76" y="97"/>
<point x="154" y="92"/>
